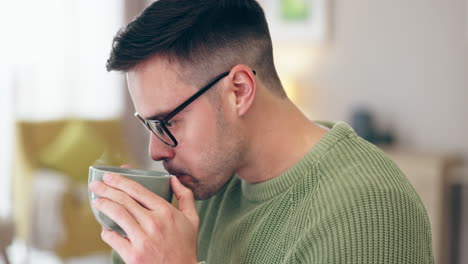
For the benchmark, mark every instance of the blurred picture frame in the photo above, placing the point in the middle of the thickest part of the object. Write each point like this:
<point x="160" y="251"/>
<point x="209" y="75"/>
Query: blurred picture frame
<point x="293" y="21"/>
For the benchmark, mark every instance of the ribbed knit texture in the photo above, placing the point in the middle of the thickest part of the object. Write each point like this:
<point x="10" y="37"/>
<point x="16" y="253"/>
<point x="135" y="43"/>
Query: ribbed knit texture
<point x="344" y="202"/>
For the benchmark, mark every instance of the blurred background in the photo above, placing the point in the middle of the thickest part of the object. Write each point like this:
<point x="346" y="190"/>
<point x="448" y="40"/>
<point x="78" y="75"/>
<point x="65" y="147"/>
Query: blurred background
<point x="397" y="71"/>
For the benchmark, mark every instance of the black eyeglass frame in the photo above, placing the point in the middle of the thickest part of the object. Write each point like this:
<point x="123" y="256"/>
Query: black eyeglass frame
<point x="163" y="123"/>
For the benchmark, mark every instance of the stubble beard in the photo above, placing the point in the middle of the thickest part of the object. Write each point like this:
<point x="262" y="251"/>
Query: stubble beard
<point x="222" y="160"/>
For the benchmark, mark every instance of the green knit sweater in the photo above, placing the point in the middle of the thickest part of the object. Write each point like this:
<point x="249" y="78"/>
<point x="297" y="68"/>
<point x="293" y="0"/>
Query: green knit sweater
<point x="344" y="202"/>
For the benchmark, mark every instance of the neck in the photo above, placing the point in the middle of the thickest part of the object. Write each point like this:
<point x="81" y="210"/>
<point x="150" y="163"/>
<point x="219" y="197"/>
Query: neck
<point x="280" y="138"/>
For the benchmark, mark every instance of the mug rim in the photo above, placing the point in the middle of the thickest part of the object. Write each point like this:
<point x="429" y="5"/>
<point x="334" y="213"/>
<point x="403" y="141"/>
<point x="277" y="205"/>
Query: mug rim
<point x="113" y="169"/>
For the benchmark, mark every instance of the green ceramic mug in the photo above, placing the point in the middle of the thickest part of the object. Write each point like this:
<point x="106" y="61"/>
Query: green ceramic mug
<point x="155" y="181"/>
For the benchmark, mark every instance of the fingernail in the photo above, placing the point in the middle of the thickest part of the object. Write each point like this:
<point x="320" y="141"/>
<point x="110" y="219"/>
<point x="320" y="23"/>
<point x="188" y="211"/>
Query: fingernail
<point x="107" y="177"/>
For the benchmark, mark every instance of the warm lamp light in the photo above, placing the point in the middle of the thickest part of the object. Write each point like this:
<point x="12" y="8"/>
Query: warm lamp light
<point x="291" y="88"/>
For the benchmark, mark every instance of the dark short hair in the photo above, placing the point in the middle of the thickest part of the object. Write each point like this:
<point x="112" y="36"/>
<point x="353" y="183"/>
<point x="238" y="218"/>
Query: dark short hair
<point x="208" y="35"/>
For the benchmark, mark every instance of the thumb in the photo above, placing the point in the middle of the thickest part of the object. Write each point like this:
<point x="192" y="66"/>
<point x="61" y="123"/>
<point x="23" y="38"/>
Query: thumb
<point x="185" y="200"/>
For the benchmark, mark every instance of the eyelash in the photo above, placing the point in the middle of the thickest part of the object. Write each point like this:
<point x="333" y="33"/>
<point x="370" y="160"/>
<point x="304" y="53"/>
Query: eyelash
<point x="170" y="123"/>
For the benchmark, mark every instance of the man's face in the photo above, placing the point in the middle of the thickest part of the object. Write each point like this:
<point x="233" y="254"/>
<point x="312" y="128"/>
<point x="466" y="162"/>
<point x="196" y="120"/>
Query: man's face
<point x="209" y="150"/>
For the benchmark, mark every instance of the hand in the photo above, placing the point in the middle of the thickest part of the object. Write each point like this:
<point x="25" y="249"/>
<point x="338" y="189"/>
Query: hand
<point x="157" y="232"/>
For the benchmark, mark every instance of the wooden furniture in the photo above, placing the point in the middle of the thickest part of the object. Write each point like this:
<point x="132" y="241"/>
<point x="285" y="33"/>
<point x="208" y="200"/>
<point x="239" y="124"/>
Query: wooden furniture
<point x="82" y="230"/>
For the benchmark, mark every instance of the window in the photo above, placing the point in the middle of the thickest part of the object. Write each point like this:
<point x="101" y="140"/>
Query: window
<point x="53" y="67"/>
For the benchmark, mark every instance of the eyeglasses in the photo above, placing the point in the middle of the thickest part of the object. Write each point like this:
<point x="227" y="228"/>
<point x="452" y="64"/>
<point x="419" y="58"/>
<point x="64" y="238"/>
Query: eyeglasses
<point x="161" y="128"/>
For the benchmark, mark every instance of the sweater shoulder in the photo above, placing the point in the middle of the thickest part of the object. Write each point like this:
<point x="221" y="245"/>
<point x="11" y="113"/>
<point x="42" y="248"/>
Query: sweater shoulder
<point x="361" y="207"/>
<point x="354" y="164"/>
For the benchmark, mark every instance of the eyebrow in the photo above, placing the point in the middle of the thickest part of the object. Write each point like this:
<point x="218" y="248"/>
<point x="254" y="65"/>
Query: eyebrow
<point x="159" y="116"/>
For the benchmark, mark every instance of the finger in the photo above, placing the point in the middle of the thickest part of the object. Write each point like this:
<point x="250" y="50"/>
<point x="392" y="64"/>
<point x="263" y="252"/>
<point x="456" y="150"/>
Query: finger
<point x="138" y="213"/>
<point x="186" y="200"/>
<point x="137" y="191"/>
<point x="118" y="214"/>
<point x="116" y="241"/>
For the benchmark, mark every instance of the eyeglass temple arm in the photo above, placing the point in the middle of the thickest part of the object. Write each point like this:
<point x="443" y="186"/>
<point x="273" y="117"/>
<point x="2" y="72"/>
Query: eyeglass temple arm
<point x="197" y="94"/>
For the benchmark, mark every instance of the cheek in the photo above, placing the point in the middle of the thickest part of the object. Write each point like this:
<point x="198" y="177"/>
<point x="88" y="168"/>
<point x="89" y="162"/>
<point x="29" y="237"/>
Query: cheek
<point x="200" y="135"/>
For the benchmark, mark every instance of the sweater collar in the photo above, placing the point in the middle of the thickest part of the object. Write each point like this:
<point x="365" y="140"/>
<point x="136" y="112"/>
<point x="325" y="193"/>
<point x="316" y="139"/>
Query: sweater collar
<point x="263" y="191"/>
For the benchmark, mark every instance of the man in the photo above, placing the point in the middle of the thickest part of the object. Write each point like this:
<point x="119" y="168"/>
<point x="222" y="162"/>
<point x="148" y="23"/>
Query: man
<point x="273" y="186"/>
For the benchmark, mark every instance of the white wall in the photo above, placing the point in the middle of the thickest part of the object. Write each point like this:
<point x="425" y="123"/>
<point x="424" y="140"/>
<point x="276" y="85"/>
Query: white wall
<point x="407" y="60"/>
<point x="7" y="81"/>
<point x="6" y="140"/>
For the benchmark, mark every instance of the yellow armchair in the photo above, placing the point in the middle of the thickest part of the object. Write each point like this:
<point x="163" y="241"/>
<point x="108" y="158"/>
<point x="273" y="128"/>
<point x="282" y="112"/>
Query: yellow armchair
<point x="67" y="146"/>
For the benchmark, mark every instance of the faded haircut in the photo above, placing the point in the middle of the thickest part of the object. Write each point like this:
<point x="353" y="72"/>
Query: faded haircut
<point x="206" y="37"/>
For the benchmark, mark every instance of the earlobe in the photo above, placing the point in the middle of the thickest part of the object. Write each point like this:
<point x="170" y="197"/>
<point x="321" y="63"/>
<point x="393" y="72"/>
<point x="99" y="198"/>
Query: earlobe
<point x="244" y="84"/>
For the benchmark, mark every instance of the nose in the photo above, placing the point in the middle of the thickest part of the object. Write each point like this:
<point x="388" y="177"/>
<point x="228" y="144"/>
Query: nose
<point x="158" y="150"/>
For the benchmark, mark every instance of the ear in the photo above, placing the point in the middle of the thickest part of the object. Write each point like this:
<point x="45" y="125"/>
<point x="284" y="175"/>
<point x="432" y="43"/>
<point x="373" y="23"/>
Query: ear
<point x="244" y="87"/>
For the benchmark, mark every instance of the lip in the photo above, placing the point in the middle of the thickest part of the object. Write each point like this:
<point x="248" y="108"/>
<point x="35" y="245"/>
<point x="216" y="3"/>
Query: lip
<point x="173" y="171"/>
